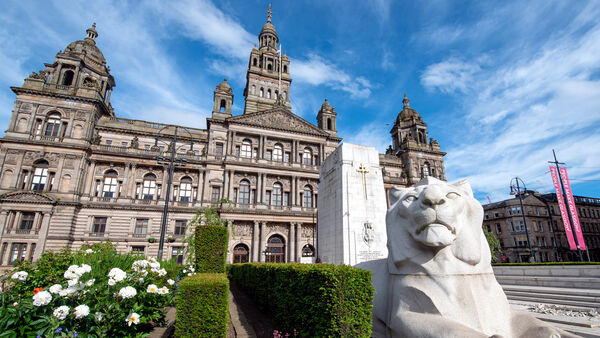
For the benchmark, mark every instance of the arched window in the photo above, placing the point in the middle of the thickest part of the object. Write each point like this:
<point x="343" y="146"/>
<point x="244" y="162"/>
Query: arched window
<point x="149" y="187"/>
<point x="40" y="175"/>
<point x="244" y="197"/>
<point x="308" y="197"/>
<point x="308" y="251"/>
<point x="68" y="78"/>
<point x="246" y="149"/>
<point x="285" y="69"/>
<point x="240" y="253"/>
<point x="52" y="125"/>
<point x="222" y="106"/>
<point x="110" y="184"/>
<point x="275" y="252"/>
<point x="262" y="92"/>
<point x="421" y="137"/>
<point x="185" y="189"/>
<point x="425" y="170"/>
<point x="277" y="194"/>
<point x="329" y="123"/>
<point x="278" y="153"/>
<point x="276" y="95"/>
<point x="284" y="95"/>
<point x="307" y="156"/>
<point x="254" y="62"/>
<point x="253" y="90"/>
<point x="269" y="67"/>
<point x="268" y="93"/>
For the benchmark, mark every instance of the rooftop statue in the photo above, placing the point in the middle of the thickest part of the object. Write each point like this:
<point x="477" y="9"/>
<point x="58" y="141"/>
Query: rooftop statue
<point x="437" y="280"/>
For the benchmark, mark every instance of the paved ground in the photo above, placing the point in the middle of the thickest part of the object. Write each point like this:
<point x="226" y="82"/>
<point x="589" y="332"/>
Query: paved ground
<point x="245" y="320"/>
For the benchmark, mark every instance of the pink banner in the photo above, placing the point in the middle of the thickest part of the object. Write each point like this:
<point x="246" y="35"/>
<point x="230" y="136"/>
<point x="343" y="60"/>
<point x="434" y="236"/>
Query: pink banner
<point x="572" y="208"/>
<point x="563" y="209"/>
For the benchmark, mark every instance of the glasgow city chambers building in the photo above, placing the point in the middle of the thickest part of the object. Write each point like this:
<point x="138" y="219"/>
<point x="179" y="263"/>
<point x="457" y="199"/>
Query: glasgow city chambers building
<point x="73" y="172"/>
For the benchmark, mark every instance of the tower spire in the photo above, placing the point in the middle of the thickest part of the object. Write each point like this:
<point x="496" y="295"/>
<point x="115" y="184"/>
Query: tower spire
<point x="91" y="34"/>
<point x="405" y="101"/>
<point x="269" y="13"/>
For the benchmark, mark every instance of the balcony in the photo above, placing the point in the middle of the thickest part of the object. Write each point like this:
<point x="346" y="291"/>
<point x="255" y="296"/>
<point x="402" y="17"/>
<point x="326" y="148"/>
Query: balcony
<point x="96" y="234"/>
<point x="139" y="235"/>
<point x="23" y="231"/>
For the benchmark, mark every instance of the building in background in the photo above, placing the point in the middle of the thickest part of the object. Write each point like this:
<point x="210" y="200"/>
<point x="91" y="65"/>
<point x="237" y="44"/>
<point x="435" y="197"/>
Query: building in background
<point x="74" y="172"/>
<point x="544" y="224"/>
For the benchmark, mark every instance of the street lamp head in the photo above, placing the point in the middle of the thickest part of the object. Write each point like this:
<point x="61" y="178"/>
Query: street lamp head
<point x="192" y="146"/>
<point x="512" y="190"/>
<point x="156" y="141"/>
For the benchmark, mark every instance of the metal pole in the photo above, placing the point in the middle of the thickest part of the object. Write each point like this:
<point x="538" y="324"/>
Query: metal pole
<point x="163" y="223"/>
<point x="562" y="188"/>
<point x="531" y="254"/>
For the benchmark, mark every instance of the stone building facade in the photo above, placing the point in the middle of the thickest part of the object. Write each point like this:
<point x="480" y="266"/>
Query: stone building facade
<point x="73" y="172"/>
<point x="544" y="224"/>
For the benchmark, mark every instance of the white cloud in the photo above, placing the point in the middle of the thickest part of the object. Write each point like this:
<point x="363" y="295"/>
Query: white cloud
<point x="523" y="106"/>
<point x="374" y="134"/>
<point x="317" y="71"/>
<point x="449" y="76"/>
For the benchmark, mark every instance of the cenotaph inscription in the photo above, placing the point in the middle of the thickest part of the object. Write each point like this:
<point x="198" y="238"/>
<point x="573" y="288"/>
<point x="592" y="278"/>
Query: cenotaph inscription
<point x="352" y="207"/>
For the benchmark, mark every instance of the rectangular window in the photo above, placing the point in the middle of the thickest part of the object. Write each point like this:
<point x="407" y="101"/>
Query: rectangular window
<point x="237" y="151"/>
<point x="488" y="228"/>
<point x="138" y="249"/>
<point x="147" y="147"/>
<point x="180" y="227"/>
<point x="215" y="195"/>
<point x="124" y="144"/>
<point x="286" y="157"/>
<point x="108" y="142"/>
<point x="219" y="150"/>
<point x="18" y="252"/>
<point x="268" y="197"/>
<point x="177" y="254"/>
<point x="498" y="228"/>
<point x="26" y="222"/>
<point x="141" y="227"/>
<point x="268" y="155"/>
<point x="99" y="226"/>
<point x="286" y="198"/>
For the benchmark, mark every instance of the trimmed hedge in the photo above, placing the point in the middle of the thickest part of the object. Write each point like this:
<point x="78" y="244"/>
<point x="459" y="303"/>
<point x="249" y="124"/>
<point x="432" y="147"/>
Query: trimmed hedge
<point x="211" y="248"/>
<point x="203" y="306"/>
<point x="316" y="300"/>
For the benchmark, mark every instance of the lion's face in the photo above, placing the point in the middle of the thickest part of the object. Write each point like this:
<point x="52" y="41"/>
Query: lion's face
<point x="433" y="215"/>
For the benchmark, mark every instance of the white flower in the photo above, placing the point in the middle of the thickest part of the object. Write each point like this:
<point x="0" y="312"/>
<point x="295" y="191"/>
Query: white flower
<point x="20" y="275"/>
<point x="90" y="282"/>
<point x="55" y="289"/>
<point x="15" y="304"/>
<point x="70" y="291"/>
<point x="192" y="269"/>
<point x="70" y="274"/>
<point x="42" y="298"/>
<point x="141" y="280"/>
<point x="163" y="290"/>
<point x="73" y="282"/>
<point x="127" y="292"/>
<point x="152" y="288"/>
<point x="189" y="274"/>
<point x="162" y="272"/>
<point x="82" y="311"/>
<point x="116" y="275"/>
<point x="61" y="312"/>
<point x="98" y="316"/>
<point x="170" y="281"/>
<point x="184" y="271"/>
<point x="89" y="251"/>
<point x="133" y="318"/>
<point x="84" y="268"/>
<point x="140" y="265"/>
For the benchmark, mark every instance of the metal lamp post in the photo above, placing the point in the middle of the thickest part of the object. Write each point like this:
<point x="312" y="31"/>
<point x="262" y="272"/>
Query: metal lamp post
<point x="517" y="191"/>
<point x="171" y="160"/>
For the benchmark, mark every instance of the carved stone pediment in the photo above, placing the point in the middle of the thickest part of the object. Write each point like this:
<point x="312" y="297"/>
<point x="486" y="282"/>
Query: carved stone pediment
<point x="280" y="119"/>
<point x="28" y="197"/>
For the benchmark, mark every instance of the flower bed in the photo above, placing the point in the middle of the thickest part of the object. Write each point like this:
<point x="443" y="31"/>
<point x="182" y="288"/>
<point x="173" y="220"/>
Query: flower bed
<point x="94" y="291"/>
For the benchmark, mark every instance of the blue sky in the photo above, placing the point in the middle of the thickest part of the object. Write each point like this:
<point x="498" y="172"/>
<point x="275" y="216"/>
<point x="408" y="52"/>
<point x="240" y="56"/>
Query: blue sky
<point x="500" y="84"/>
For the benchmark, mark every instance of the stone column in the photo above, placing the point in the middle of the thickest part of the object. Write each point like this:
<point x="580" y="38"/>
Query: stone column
<point x="261" y="243"/>
<point x="36" y="222"/>
<point x="292" y="243"/>
<point x="204" y="186"/>
<point x="263" y="188"/>
<point x="164" y="184"/>
<point x="293" y="154"/>
<point x="293" y="192"/>
<point x="230" y="192"/>
<point x="90" y="178"/>
<point x="230" y="231"/>
<point x="255" y="238"/>
<point x="297" y="184"/>
<point x="257" y="196"/>
<point x="260" y="147"/>
<point x="18" y="177"/>
<point x="225" y="183"/>
<point x="3" y="217"/>
<point x="299" y="241"/>
<point x="42" y="237"/>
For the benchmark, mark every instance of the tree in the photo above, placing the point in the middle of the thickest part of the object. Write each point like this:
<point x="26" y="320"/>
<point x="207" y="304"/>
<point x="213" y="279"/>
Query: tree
<point x="206" y="216"/>
<point x="493" y="243"/>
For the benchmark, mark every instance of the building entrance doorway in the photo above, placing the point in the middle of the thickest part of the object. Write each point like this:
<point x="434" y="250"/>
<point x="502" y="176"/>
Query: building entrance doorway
<point x="240" y="254"/>
<point x="275" y="252"/>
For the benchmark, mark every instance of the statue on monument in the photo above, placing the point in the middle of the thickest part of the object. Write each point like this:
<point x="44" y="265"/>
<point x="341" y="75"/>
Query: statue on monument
<point x="437" y="280"/>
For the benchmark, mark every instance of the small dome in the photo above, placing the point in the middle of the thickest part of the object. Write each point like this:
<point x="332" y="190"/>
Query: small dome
<point x="268" y="28"/>
<point x="224" y="86"/>
<point x="87" y="48"/>
<point x="326" y="105"/>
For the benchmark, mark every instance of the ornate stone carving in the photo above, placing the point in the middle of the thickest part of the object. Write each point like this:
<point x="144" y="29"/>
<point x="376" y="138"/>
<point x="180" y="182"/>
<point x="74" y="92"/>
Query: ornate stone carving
<point x="308" y="231"/>
<point x="27" y="197"/>
<point x="80" y="115"/>
<point x="135" y="143"/>
<point x="437" y="280"/>
<point x="278" y="119"/>
<point x="38" y="76"/>
<point x="242" y="230"/>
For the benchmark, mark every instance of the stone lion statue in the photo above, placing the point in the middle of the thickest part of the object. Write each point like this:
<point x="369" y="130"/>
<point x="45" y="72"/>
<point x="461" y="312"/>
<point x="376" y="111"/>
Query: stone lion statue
<point x="437" y="280"/>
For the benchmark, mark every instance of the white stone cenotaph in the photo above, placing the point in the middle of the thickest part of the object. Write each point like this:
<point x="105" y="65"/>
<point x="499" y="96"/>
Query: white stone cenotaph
<point x="352" y="206"/>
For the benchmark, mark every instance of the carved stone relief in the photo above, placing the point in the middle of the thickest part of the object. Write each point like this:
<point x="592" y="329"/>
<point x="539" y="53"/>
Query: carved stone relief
<point x="308" y="231"/>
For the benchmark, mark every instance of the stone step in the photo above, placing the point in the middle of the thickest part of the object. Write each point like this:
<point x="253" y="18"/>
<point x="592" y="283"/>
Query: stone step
<point x="553" y="297"/>
<point x="592" y="293"/>
<point x="566" y="282"/>
<point x="535" y="299"/>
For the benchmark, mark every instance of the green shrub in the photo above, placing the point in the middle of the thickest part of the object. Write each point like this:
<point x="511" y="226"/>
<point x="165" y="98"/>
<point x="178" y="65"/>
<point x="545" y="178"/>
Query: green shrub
<point x="211" y="248"/>
<point x="314" y="300"/>
<point x="203" y="306"/>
